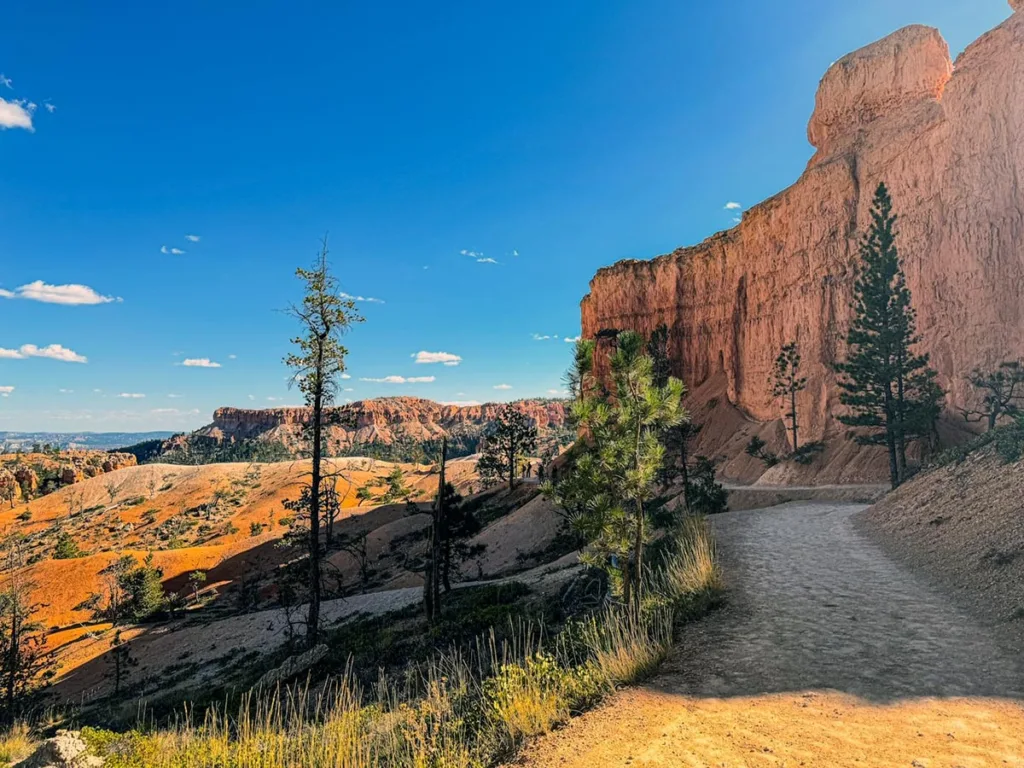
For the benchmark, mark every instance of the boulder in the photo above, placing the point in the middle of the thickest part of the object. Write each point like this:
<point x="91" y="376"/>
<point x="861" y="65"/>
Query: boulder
<point x="65" y="750"/>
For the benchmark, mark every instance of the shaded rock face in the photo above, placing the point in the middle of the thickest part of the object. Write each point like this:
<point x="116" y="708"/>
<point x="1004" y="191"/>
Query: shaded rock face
<point x="383" y="420"/>
<point x="949" y="143"/>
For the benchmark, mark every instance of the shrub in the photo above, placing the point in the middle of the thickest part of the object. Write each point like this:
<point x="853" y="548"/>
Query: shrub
<point x="807" y="452"/>
<point x="756" y="448"/>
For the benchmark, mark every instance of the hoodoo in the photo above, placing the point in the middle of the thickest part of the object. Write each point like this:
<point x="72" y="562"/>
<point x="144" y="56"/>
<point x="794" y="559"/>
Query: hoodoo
<point x="948" y="141"/>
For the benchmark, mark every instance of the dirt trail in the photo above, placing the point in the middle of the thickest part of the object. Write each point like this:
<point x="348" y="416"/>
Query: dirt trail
<point x="828" y="654"/>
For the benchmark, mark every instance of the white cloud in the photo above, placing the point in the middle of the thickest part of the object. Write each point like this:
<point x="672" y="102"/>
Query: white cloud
<point x="51" y="108"/>
<point x="5" y="391"/>
<point x="471" y="254"/>
<point x="366" y="299"/>
<point x="733" y="206"/>
<point x="192" y="238"/>
<point x="558" y="392"/>
<point x="461" y="403"/>
<point x="174" y="412"/>
<point x="6" y="81"/>
<point x="346" y="376"/>
<point x="132" y="395"/>
<point x="177" y="251"/>
<point x="70" y="294"/>
<point x="273" y="399"/>
<point x="199" y="362"/>
<point x="539" y="337"/>
<point x="503" y="386"/>
<point x="350" y="389"/>
<point x="97" y="391"/>
<point x="171" y="251"/>
<point x="447" y="358"/>
<point x="174" y="396"/>
<point x="232" y="357"/>
<point x="252" y="397"/>
<point x="65" y="391"/>
<point x="571" y="339"/>
<point x="736" y="219"/>
<point x="402" y="380"/>
<point x="515" y="252"/>
<point x="51" y="351"/>
<point x="486" y="261"/>
<point x="13" y="114"/>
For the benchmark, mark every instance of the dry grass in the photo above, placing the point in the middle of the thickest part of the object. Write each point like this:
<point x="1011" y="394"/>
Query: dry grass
<point x="453" y="712"/>
<point x="16" y="743"/>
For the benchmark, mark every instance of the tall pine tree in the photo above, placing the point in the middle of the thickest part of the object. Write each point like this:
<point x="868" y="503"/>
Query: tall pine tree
<point x="890" y="392"/>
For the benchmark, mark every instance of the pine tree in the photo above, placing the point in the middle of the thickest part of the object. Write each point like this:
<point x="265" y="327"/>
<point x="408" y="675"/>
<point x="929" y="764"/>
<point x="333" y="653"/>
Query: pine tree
<point x="607" y="493"/>
<point x="1001" y="390"/>
<point x="510" y="438"/>
<point x="324" y="316"/>
<point x="121" y="658"/>
<point x="890" y="392"/>
<point x="788" y="383"/>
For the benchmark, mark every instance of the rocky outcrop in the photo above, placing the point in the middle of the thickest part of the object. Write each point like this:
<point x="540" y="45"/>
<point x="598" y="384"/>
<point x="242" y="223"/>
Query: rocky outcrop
<point x="65" y="750"/>
<point x="383" y="421"/>
<point x="949" y="143"/>
<point x="41" y="473"/>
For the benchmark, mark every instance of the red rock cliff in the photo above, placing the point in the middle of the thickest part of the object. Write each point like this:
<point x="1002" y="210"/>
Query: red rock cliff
<point x="949" y="142"/>
<point x="380" y="420"/>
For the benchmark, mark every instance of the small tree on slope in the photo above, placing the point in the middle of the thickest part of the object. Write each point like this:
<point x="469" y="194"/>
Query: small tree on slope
<point x="511" y="438"/>
<point x="788" y="383"/>
<point x="318" y="363"/>
<point x="890" y="391"/>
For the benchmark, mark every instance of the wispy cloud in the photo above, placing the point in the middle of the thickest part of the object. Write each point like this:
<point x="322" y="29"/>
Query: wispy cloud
<point x="541" y="337"/>
<point x="5" y="391"/>
<point x="50" y="107"/>
<point x="171" y="251"/>
<point x="132" y="395"/>
<point x="571" y="339"/>
<point x="273" y="399"/>
<point x="66" y="391"/>
<point x="192" y="238"/>
<point x="487" y="261"/>
<point x="16" y="114"/>
<point x="733" y="206"/>
<point x="174" y="395"/>
<point x="515" y="252"/>
<point x="70" y="294"/>
<point x="174" y="412"/>
<point x="446" y="358"/>
<point x="471" y="254"/>
<point x="51" y="351"/>
<point x="199" y="362"/>
<point x="461" y="403"/>
<point x="558" y="392"/>
<point x="346" y="376"/>
<point x="232" y="357"/>
<point x="402" y="380"/>
<point x="5" y="81"/>
<point x="365" y="299"/>
<point x="503" y="386"/>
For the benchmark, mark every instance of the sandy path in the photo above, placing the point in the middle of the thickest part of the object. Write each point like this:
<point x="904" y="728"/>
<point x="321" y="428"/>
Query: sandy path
<point x="828" y="654"/>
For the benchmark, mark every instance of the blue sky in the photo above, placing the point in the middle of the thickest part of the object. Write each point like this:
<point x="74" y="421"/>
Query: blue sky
<point x="572" y="133"/>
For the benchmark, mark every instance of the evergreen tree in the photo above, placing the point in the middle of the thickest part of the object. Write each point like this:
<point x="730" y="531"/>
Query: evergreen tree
<point x="395" y="487"/>
<point x="705" y="495"/>
<point x="1001" y="390"/>
<point x="24" y="665"/>
<point x="890" y="392"/>
<point x="364" y="493"/>
<point x="788" y="383"/>
<point x="510" y="438"/>
<point x="66" y="548"/>
<point x="607" y="492"/>
<point x="318" y="362"/>
<point x="657" y="350"/>
<point x="121" y="658"/>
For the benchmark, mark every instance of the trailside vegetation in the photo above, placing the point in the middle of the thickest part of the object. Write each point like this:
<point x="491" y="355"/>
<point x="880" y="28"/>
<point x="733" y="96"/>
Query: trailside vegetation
<point x="889" y="390"/>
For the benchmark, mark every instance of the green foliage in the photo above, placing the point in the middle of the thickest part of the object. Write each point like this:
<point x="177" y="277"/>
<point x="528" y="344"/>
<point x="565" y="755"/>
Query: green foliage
<point x="788" y="383"/>
<point x="511" y="437"/>
<point x="706" y="495"/>
<point x="66" y="548"/>
<point x="1000" y="390"/>
<point x="200" y="449"/>
<point x="1009" y="439"/>
<point x="396" y="488"/>
<point x="606" y="493"/>
<point x="134" y="591"/>
<point x="756" y="448"/>
<point x="890" y="392"/>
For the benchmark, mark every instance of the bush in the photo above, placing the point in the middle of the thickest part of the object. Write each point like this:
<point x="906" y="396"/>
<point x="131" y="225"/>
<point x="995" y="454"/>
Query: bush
<point x="756" y="448"/>
<point x="807" y="452"/>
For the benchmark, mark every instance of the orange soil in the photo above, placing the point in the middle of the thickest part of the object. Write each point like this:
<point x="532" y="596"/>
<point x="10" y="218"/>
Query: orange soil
<point x="646" y="727"/>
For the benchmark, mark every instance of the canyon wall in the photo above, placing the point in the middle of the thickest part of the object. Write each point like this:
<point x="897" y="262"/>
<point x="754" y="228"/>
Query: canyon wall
<point x="948" y="141"/>
<point x="382" y="420"/>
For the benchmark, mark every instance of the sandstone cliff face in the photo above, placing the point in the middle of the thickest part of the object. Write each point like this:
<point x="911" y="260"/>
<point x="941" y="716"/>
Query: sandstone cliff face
<point x="382" y="420"/>
<point x="949" y="143"/>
